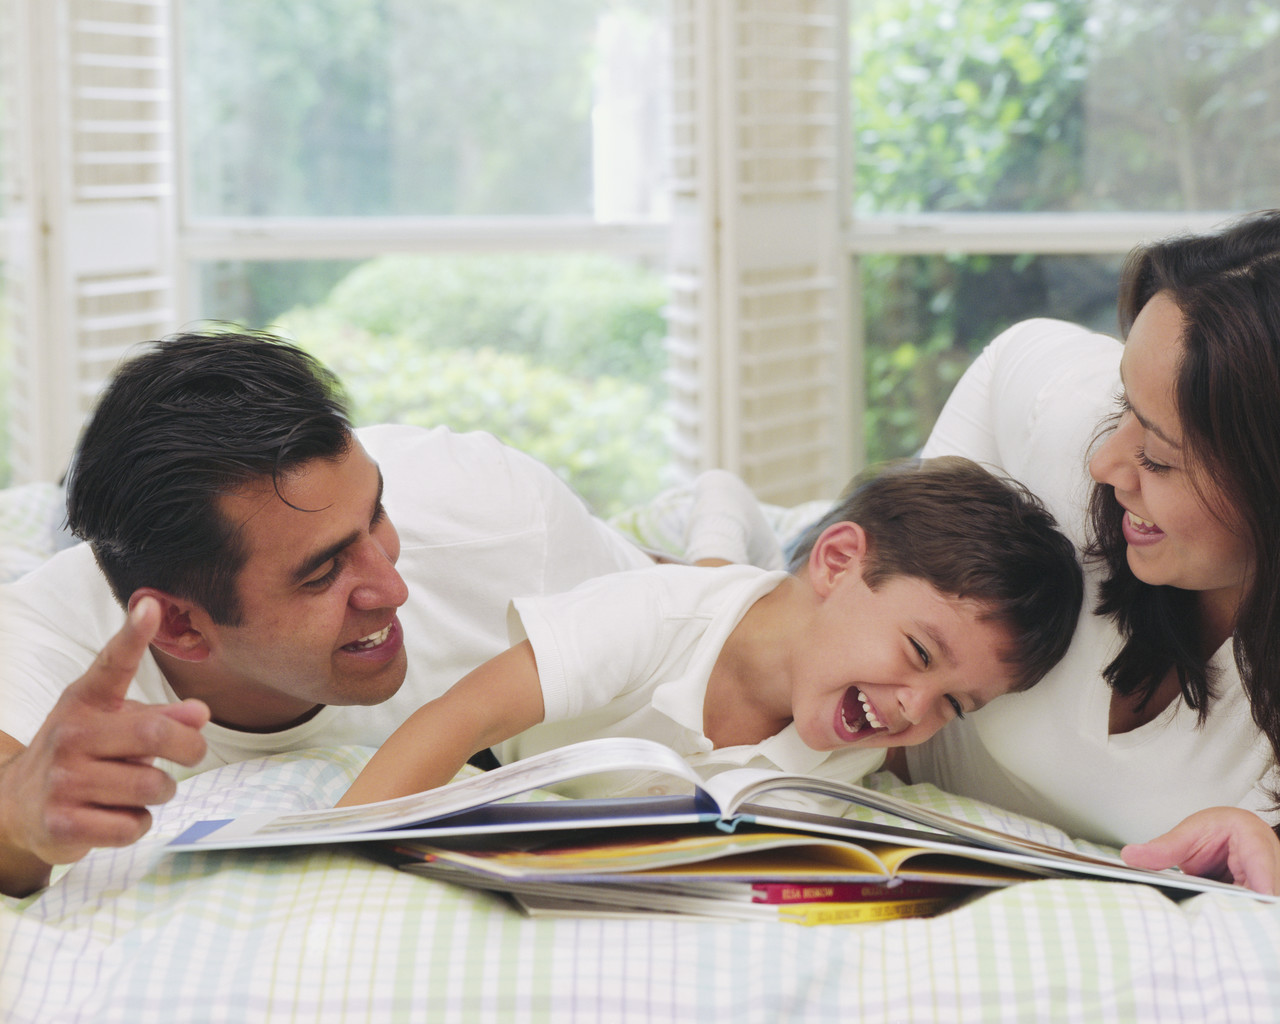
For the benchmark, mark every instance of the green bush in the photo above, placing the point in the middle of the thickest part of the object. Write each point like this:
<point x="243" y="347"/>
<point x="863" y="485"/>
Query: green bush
<point x="968" y="104"/>
<point x="560" y="358"/>
<point x="584" y="315"/>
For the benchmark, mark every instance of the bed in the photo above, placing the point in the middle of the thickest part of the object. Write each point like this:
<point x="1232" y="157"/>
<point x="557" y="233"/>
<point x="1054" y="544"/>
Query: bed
<point x="328" y="934"/>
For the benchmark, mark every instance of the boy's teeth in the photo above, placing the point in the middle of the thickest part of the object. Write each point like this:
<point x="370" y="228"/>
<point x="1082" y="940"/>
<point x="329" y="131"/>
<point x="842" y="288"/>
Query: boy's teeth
<point x="373" y="639"/>
<point x="872" y="720"/>
<point x="869" y="716"/>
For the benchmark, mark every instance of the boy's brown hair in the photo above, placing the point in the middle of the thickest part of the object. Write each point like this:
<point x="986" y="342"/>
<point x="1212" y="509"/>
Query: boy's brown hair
<point x="973" y="535"/>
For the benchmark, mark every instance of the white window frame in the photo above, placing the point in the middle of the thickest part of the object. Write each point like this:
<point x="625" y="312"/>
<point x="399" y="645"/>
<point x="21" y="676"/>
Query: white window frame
<point x="1017" y="233"/>
<point x="203" y="238"/>
<point x="1006" y="234"/>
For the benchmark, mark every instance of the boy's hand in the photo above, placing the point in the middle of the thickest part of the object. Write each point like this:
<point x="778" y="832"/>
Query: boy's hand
<point x="1226" y="843"/>
<point x="88" y="776"/>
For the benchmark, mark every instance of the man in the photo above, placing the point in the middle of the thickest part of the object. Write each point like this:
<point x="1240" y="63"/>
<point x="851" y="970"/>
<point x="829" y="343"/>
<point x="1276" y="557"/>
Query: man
<point x="289" y="583"/>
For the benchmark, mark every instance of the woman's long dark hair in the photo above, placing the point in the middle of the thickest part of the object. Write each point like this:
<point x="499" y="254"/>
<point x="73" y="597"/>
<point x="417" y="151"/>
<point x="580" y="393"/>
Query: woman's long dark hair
<point x="1227" y="288"/>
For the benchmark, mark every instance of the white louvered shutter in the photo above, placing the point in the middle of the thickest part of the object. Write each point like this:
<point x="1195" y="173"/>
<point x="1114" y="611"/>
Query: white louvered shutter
<point x="91" y="252"/>
<point x="761" y="376"/>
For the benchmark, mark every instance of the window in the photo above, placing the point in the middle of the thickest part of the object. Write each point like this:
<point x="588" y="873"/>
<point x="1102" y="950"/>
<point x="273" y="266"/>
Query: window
<point x="720" y="167"/>
<point x="424" y="107"/>
<point x="6" y="177"/>
<point x="559" y="354"/>
<point x="1006" y="156"/>
<point x="507" y="164"/>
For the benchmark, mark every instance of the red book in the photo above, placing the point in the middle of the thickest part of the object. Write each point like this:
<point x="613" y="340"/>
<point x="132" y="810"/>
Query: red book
<point x="850" y="892"/>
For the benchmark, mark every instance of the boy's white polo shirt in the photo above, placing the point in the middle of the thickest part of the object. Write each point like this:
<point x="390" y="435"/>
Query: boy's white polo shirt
<point x="631" y="654"/>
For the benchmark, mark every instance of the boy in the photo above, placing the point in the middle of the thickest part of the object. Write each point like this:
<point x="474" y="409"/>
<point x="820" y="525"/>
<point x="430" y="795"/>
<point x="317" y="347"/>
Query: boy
<point x="930" y="589"/>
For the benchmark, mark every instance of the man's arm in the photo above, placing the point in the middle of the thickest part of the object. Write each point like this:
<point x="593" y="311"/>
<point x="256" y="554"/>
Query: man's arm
<point x="87" y="777"/>
<point x="490" y="704"/>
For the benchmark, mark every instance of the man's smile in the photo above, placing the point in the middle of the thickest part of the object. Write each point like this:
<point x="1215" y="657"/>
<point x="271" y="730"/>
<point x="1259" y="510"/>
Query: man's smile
<point x="384" y="643"/>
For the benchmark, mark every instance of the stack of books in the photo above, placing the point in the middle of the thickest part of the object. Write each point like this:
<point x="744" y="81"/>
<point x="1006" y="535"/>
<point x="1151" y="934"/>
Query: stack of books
<point x="724" y="847"/>
<point x="749" y="874"/>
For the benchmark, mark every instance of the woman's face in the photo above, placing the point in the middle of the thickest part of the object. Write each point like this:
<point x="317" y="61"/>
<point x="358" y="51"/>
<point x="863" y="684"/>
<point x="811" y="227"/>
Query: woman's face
<point x="1173" y="537"/>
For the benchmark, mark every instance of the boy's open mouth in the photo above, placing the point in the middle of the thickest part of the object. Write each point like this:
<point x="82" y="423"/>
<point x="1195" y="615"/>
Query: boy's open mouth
<point x="857" y="714"/>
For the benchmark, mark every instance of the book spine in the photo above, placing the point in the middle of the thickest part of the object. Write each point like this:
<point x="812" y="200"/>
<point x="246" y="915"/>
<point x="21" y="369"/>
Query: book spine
<point x="849" y="892"/>
<point x="861" y="913"/>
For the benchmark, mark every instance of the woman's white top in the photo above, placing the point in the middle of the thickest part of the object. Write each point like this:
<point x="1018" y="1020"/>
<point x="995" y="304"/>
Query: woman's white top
<point x="1029" y="407"/>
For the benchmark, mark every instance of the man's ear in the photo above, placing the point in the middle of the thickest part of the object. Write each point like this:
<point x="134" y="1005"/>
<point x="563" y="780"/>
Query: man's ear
<point x="839" y="549"/>
<point x="176" y="637"/>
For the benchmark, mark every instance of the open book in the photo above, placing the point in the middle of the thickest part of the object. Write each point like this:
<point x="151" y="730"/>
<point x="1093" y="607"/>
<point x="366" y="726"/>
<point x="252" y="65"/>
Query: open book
<point x="483" y="805"/>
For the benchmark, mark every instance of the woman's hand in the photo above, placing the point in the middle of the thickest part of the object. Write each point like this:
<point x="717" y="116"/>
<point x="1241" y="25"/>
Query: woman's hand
<point x="1226" y="843"/>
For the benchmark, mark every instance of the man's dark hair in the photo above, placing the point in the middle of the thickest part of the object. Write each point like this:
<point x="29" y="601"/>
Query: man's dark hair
<point x="195" y="417"/>
<point x="973" y="535"/>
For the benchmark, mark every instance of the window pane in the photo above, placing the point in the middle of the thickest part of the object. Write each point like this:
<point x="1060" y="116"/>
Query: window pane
<point x="6" y="183"/>
<point x="8" y="86"/>
<point x="6" y="378"/>
<point x="432" y="107"/>
<point x="928" y="316"/>
<point x="560" y="356"/>
<point x="1065" y="105"/>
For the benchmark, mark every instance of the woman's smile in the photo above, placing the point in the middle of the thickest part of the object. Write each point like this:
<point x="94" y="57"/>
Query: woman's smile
<point x="1181" y="539"/>
<point x="1139" y="531"/>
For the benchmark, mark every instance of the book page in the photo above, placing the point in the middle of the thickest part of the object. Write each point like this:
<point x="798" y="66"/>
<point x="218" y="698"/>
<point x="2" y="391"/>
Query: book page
<point x="733" y="789"/>
<point x="749" y="855"/>
<point x="537" y="772"/>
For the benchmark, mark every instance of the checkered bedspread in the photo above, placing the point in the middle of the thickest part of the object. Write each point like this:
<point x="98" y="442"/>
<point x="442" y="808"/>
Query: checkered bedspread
<point x="324" y="934"/>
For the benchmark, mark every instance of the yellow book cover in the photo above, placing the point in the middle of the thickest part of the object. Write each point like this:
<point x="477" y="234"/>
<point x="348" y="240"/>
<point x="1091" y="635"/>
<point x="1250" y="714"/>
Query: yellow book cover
<point x="867" y="912"/>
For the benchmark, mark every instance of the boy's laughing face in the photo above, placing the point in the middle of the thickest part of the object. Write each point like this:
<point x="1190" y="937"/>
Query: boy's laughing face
<point x="889" y="667"/>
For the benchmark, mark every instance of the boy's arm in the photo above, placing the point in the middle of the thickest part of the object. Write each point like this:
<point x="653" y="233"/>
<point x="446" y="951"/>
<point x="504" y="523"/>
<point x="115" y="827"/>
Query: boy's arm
<point x="492" y="703"/>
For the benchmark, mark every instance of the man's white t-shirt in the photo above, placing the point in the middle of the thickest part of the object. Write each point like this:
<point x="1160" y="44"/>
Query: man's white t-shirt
<point x="631" y="655"/>
<point x="479" y="523"/>
<point x="1030" y="407"/>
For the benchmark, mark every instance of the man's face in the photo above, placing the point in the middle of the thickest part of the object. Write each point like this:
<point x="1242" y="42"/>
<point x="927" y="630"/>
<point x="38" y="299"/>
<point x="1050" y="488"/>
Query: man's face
<point x="319" y="593"/>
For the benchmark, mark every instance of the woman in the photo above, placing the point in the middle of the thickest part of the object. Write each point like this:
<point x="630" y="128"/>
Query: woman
<point x="1165" y="715"/>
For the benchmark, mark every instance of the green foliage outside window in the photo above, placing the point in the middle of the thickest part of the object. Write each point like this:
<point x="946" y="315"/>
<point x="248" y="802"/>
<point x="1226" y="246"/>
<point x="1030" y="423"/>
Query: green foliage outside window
<point x="389" y="107"/>
<point x="966" y="106"/>
<point x="963" y="105"/>
<point x="560" y="357"/>
<point x="958" y="106"/>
